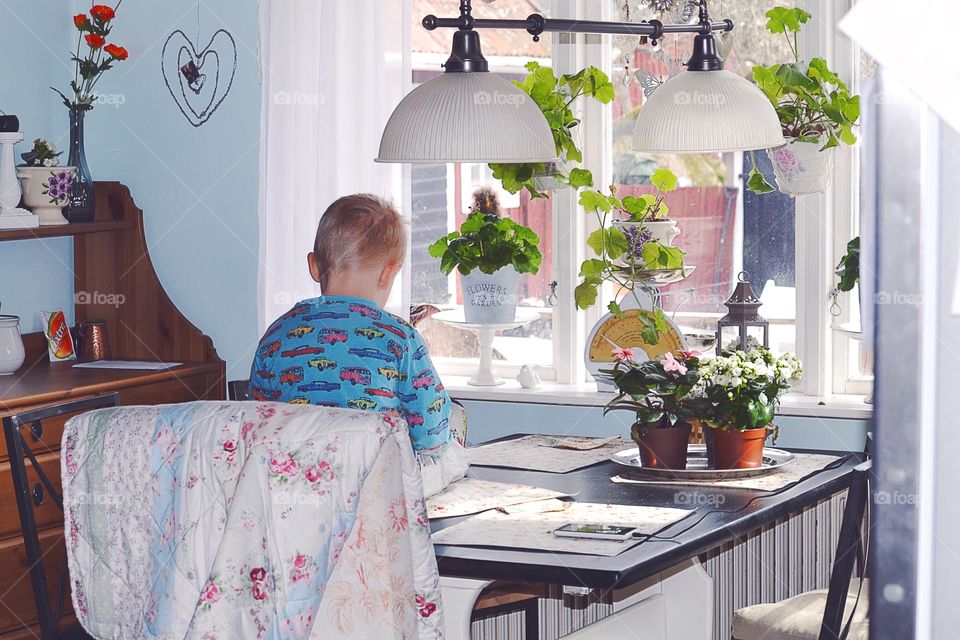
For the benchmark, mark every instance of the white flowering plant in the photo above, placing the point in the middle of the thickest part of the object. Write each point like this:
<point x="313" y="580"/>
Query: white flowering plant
<point x="43" y="154"/>
<point x="743" y="388"/>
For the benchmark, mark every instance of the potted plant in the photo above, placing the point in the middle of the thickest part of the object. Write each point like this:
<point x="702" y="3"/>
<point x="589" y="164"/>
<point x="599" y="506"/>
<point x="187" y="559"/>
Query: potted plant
<point x="848" y="269"/>
<point x="626" y="258"/>
<point x="46" y="185"/>
<point x="555" y="97"/>
<point x="490" y="252"/>
<point x="647" y="213"/>
<point x="92" y="59"/>
<point x="817" y="113"/>
<point x="742" y="391"/>
<point x="660" y="393"/>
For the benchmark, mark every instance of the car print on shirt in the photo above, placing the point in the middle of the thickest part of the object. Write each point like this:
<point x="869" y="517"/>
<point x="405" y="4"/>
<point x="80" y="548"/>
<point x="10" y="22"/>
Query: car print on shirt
<point x="371" y="353"/>
<point x="414" y="419"/>
<point x="300" y="400"/>
<point x="332" y="336"/>
<point x="420" y="353"/>
<point x="392" y="329"/>
<point x="436" y="405"/>
<point x="322" y="364"/>
<point x="269" y="349"/>
<point x="277" y="326"/>
<point x="396" y="349"/>
<point x="424" y="380"/>
<point x="392" y="374"/>
<point x="264" y="395"/>
<point x="361" y="403"/>
<point x="369" y="333"/>
<point x="407" y="397"/>
<point x="266" y="374"/>
<point x="319" y="386"/>
<point x="326" y="315"/>
<point x="301" y="351"/>
<point x="328" y="403"/>
<point x="298" y="310"/>
<point x="439" y="388"/>
<point x="382" y="392"/>
<point x="439" y="428"/>
<point x="291" y="375"/>
<point x="365" y="311"/>
<point x="355" y="375"/>
<point x="300" y="331"/>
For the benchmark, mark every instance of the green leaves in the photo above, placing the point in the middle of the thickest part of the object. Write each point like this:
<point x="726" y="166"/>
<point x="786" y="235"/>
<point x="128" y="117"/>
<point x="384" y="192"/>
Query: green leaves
<point x="585" y="295"/>
<point x="664" y="180"/>
<point x="489" y="243"/>
<point x="608" y="241"/>
<point x="757" y="183"/>
<point x="849" y="267"/>
<point x="515" y="177"/>
<point x="594" y="201"/>
<point x="784" y="19"/>
<point x="580" y="178"/>
<point x="657" y="256"/>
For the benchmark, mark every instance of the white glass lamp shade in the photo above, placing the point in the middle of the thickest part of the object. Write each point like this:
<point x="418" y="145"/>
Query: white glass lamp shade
<point x="467" y="117"/>
<point x="706" y="112"/>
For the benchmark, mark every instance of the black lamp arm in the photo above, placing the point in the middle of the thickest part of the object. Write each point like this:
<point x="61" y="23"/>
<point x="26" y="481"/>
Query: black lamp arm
<point x="536" y="24"/>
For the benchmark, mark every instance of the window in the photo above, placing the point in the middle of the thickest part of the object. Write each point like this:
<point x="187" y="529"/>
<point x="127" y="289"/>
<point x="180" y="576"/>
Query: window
<point x="789" y="247"/>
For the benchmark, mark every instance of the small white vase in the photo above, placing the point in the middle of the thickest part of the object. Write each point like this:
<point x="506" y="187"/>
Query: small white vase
<point x="802" y="168"/>
<point x="46" y="190"/>
<point x="11" y="345"/>
<point x="490" y="299"/>
<point x="662" y="231"/>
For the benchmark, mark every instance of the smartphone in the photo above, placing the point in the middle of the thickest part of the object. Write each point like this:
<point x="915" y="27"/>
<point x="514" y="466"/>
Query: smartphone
<point x="596" y="531"/>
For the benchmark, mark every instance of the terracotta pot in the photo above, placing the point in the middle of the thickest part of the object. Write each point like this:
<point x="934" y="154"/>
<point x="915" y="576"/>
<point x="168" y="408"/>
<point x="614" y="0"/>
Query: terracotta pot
<point x="738" y="449"/>
<point x="662" y="448"/>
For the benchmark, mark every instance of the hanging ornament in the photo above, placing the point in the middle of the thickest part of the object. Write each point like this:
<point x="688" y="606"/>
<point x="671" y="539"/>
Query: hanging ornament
<point x="725" y="44"/>
<point x="686" y="12"/>
<point x="626" y="44"/>
<point x="663" y="6"/>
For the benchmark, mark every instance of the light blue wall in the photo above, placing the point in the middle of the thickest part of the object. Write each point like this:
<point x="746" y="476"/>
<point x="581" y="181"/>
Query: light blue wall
<point x="197" y="187"/>
<point x="489" y="420"/>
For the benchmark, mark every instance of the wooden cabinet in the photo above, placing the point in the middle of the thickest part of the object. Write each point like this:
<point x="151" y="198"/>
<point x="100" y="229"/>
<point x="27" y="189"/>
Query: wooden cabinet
<point x="110" y="260"/>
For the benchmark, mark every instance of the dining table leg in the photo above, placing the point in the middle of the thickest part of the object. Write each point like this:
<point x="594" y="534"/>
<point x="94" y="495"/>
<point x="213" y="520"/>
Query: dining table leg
<point x="459" y="597"/>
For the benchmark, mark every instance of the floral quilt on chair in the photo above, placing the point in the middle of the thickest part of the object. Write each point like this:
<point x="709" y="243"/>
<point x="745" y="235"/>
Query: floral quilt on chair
<point x="230" y="520"/>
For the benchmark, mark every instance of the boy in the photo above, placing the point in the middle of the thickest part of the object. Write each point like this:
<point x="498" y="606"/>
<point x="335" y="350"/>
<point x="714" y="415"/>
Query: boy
<point x="343" y="349"/>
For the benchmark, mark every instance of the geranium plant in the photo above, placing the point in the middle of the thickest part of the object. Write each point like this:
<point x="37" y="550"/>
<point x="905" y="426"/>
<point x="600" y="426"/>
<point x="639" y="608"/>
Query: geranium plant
<point x="624" y="258"/>
<point x="94" y="56"/>
<point x="555" y="97"/>
<point x="658" y="392"/>
<point x="743" y="389"/>
<point x="848" y="270"/>
<point x="812" y="102"/>
<point x="43" y="154"/>
<point x="488" y="241"/>
<point x="649" y="207"/>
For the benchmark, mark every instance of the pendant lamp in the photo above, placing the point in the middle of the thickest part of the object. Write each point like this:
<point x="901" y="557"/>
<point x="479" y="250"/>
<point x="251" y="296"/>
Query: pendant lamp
<point x="467" y="114"/>
<point x="707" y="109"/>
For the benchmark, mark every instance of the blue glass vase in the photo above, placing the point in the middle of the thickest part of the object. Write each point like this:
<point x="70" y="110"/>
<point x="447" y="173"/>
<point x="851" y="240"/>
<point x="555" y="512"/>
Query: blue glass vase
<point x="82" y="202"/>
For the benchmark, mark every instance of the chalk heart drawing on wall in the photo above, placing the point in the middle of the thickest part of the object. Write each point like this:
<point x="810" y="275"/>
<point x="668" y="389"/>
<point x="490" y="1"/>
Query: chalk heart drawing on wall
<point x="199" y="81"/>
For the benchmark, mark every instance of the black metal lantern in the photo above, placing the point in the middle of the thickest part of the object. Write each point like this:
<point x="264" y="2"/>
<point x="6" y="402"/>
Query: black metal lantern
<point x="742" y="321"/>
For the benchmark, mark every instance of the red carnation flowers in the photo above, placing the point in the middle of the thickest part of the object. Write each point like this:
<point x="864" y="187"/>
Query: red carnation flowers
<point x="95" y="41"/>
<point x="95" y="29"/>
<point x="102" y="12"/>
<point x="119" y="53"/>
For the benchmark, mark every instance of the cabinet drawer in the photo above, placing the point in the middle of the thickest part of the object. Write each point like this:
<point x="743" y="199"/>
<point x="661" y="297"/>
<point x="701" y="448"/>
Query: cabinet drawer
<point x="48" y="514"/>
<point x="18" y="608"/>
<point x="50" y="434"/>
<point x="186" y="389"/>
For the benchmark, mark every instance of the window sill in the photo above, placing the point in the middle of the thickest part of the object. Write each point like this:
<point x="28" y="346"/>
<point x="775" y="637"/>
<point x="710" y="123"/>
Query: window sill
<point x="850" y="407"/>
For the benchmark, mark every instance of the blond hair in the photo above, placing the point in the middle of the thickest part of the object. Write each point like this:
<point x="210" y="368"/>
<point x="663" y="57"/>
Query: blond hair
<point x="361" y="230"/>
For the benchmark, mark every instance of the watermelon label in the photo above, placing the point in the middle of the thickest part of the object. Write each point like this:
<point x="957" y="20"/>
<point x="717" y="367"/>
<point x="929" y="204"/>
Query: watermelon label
<point x="59" y="339"/>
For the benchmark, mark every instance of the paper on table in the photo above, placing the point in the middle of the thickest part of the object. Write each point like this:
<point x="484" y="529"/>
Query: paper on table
<point x="535" y="530"/>
<point x="127" y="364"/>
<point x="805" y="464"/>
<point x="537" y="453"/>
<point x="578" y="443"/>
<point x="470" y="495"/>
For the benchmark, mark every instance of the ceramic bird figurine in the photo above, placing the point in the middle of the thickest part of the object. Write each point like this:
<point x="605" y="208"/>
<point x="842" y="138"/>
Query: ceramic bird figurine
<point x="529" y="377"/>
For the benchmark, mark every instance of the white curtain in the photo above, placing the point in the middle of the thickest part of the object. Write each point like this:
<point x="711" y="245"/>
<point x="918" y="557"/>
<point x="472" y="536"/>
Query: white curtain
<point x="331" y="73"/>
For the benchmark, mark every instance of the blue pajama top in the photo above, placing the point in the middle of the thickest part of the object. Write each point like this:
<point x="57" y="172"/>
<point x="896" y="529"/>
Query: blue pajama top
<point x="341" y="351"/>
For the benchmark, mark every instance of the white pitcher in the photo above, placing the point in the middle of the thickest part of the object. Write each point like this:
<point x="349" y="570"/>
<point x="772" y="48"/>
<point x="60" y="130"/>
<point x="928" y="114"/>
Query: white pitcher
<point x="11" y="345"/>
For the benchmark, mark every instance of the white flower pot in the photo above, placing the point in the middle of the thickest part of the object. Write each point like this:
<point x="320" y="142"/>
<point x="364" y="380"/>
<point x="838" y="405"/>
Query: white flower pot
<point x="490" y="299"/>
<point x="662" y="231"/>
<point x="11" y="345"/>
<point x="801" y="168"/>
<point x="46" y="190"/>
<point x="547" y="180"/>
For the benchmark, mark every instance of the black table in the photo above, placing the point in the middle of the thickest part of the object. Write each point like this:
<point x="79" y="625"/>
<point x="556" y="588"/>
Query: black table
<point x="742" y="512"/>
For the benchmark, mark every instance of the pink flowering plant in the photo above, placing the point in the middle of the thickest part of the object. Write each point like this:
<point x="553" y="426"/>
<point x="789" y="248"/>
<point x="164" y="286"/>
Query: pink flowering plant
<point x="661" y="392"/>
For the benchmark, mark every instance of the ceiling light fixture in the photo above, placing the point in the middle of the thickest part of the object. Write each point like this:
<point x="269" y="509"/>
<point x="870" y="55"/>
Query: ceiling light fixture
<point x="471" y="115"/>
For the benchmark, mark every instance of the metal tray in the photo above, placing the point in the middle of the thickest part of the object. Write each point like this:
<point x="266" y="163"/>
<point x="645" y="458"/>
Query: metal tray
<point x="697" y="468"/>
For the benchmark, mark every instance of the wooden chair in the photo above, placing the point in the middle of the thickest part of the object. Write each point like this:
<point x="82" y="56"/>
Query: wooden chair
<point x="20" y="430"/>
<point x="837" y="613"/>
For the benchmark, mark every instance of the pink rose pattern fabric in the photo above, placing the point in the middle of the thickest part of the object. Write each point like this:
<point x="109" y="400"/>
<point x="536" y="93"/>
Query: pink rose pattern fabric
<point x="216" y="520"/>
